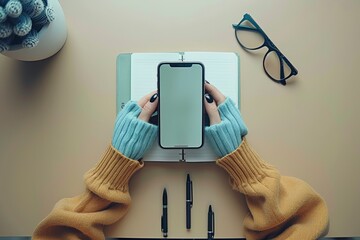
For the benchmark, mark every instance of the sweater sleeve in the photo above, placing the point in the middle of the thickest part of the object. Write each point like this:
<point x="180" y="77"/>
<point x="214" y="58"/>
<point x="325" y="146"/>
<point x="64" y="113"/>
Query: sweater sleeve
<point x="104" y="202"/>
<point x="280" y="207"/>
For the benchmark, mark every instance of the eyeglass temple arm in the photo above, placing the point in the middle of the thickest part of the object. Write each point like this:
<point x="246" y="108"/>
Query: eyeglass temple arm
<point x="294" y="71"/>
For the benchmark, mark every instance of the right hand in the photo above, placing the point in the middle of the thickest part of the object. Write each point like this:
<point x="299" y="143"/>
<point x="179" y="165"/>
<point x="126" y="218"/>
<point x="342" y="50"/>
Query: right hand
<point x="227" y="127"/>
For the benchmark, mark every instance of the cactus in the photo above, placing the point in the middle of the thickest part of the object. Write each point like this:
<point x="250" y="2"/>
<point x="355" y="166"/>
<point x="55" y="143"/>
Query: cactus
<point x="21" y="21"/>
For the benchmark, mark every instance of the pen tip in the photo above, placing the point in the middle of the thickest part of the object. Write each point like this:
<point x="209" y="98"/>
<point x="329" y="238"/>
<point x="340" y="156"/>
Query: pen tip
<point x="188" y="177"/>
<point x="210" y="208"/>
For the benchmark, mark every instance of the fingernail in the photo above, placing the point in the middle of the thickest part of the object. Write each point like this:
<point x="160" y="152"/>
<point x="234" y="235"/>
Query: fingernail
<point x="153" y="98"/>
<point x="207" y="82"/>
<point x="209" y="98"/>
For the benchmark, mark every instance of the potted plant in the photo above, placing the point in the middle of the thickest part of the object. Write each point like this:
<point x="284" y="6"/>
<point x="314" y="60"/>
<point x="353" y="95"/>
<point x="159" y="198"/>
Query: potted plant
<point x="31" y="30"/>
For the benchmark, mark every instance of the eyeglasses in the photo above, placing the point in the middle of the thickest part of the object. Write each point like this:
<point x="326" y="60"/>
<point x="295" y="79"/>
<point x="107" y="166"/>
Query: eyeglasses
<point x="250" y="36"/>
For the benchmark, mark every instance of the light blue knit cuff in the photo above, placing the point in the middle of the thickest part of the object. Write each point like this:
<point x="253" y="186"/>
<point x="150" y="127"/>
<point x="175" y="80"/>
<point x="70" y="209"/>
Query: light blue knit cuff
<point x="132" y="136"/>
<point x="226" y="136"/>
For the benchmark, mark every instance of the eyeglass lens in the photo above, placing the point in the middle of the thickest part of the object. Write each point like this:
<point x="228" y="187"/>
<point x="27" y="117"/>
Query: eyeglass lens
<point x="272" y="66"/>
<point x="248" y="38"/>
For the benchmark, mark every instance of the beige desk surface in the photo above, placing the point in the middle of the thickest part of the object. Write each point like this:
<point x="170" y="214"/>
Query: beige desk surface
<point x="56" y="116"/>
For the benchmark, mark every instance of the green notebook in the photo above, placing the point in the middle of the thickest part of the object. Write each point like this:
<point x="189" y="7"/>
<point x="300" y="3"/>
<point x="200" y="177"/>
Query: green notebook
<point x="136" y="75"/>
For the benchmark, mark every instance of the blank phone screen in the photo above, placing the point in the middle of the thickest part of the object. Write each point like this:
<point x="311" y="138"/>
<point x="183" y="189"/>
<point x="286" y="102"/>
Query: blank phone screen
<point x="181" y="88"/>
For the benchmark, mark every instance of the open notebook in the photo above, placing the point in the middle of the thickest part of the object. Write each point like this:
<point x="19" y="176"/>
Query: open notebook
<point x="137" y="75"/>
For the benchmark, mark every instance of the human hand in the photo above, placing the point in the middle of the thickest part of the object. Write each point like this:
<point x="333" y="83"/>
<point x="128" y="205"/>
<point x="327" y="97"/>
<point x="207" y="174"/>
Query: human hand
<point x="226" y="124"/>
<point x="133" y="134"/>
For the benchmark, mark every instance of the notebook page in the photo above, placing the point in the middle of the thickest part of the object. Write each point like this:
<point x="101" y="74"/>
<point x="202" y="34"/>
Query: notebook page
<point x="144" y="71"/>
<point x="221" y="70"/>
<point x="143" y="81"/>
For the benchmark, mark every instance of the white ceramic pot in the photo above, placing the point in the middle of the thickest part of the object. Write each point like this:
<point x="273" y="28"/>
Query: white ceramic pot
<point x="52" y="38"/>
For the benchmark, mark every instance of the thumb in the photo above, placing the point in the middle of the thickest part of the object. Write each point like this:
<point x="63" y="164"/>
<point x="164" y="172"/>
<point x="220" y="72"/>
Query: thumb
<point x="211" y="109"/>
<point x="149" y="108"/>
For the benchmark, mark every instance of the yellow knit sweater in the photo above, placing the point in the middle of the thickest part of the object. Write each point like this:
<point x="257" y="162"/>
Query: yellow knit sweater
<point x="279" y="207"/>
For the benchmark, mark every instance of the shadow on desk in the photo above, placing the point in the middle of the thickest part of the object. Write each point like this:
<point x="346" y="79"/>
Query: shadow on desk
<point x="29" y="238"/>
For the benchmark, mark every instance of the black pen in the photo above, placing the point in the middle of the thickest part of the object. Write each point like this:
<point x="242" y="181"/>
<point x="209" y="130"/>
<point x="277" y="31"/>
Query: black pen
<point x="211" y="224"/>
<point x="164" y="217"/>
<point x="189" y="201"/>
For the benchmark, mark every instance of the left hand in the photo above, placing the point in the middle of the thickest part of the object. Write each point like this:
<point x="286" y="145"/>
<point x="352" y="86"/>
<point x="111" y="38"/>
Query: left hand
<point x="148" y="107"/>
<point x="133" y="135"/>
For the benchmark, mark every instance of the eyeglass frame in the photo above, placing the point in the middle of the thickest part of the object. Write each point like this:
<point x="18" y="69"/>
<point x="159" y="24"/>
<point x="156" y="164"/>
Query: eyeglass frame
<point x="271" y="48"/>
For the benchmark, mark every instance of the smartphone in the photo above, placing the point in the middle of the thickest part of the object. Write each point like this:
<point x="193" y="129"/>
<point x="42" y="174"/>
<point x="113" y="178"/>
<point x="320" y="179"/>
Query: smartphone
<point x="181" y="104"/>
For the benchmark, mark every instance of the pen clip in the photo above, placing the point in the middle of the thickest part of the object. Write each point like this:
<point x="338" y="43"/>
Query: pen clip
<point x="191" y="194"/>
<point x="213" y="224"/>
